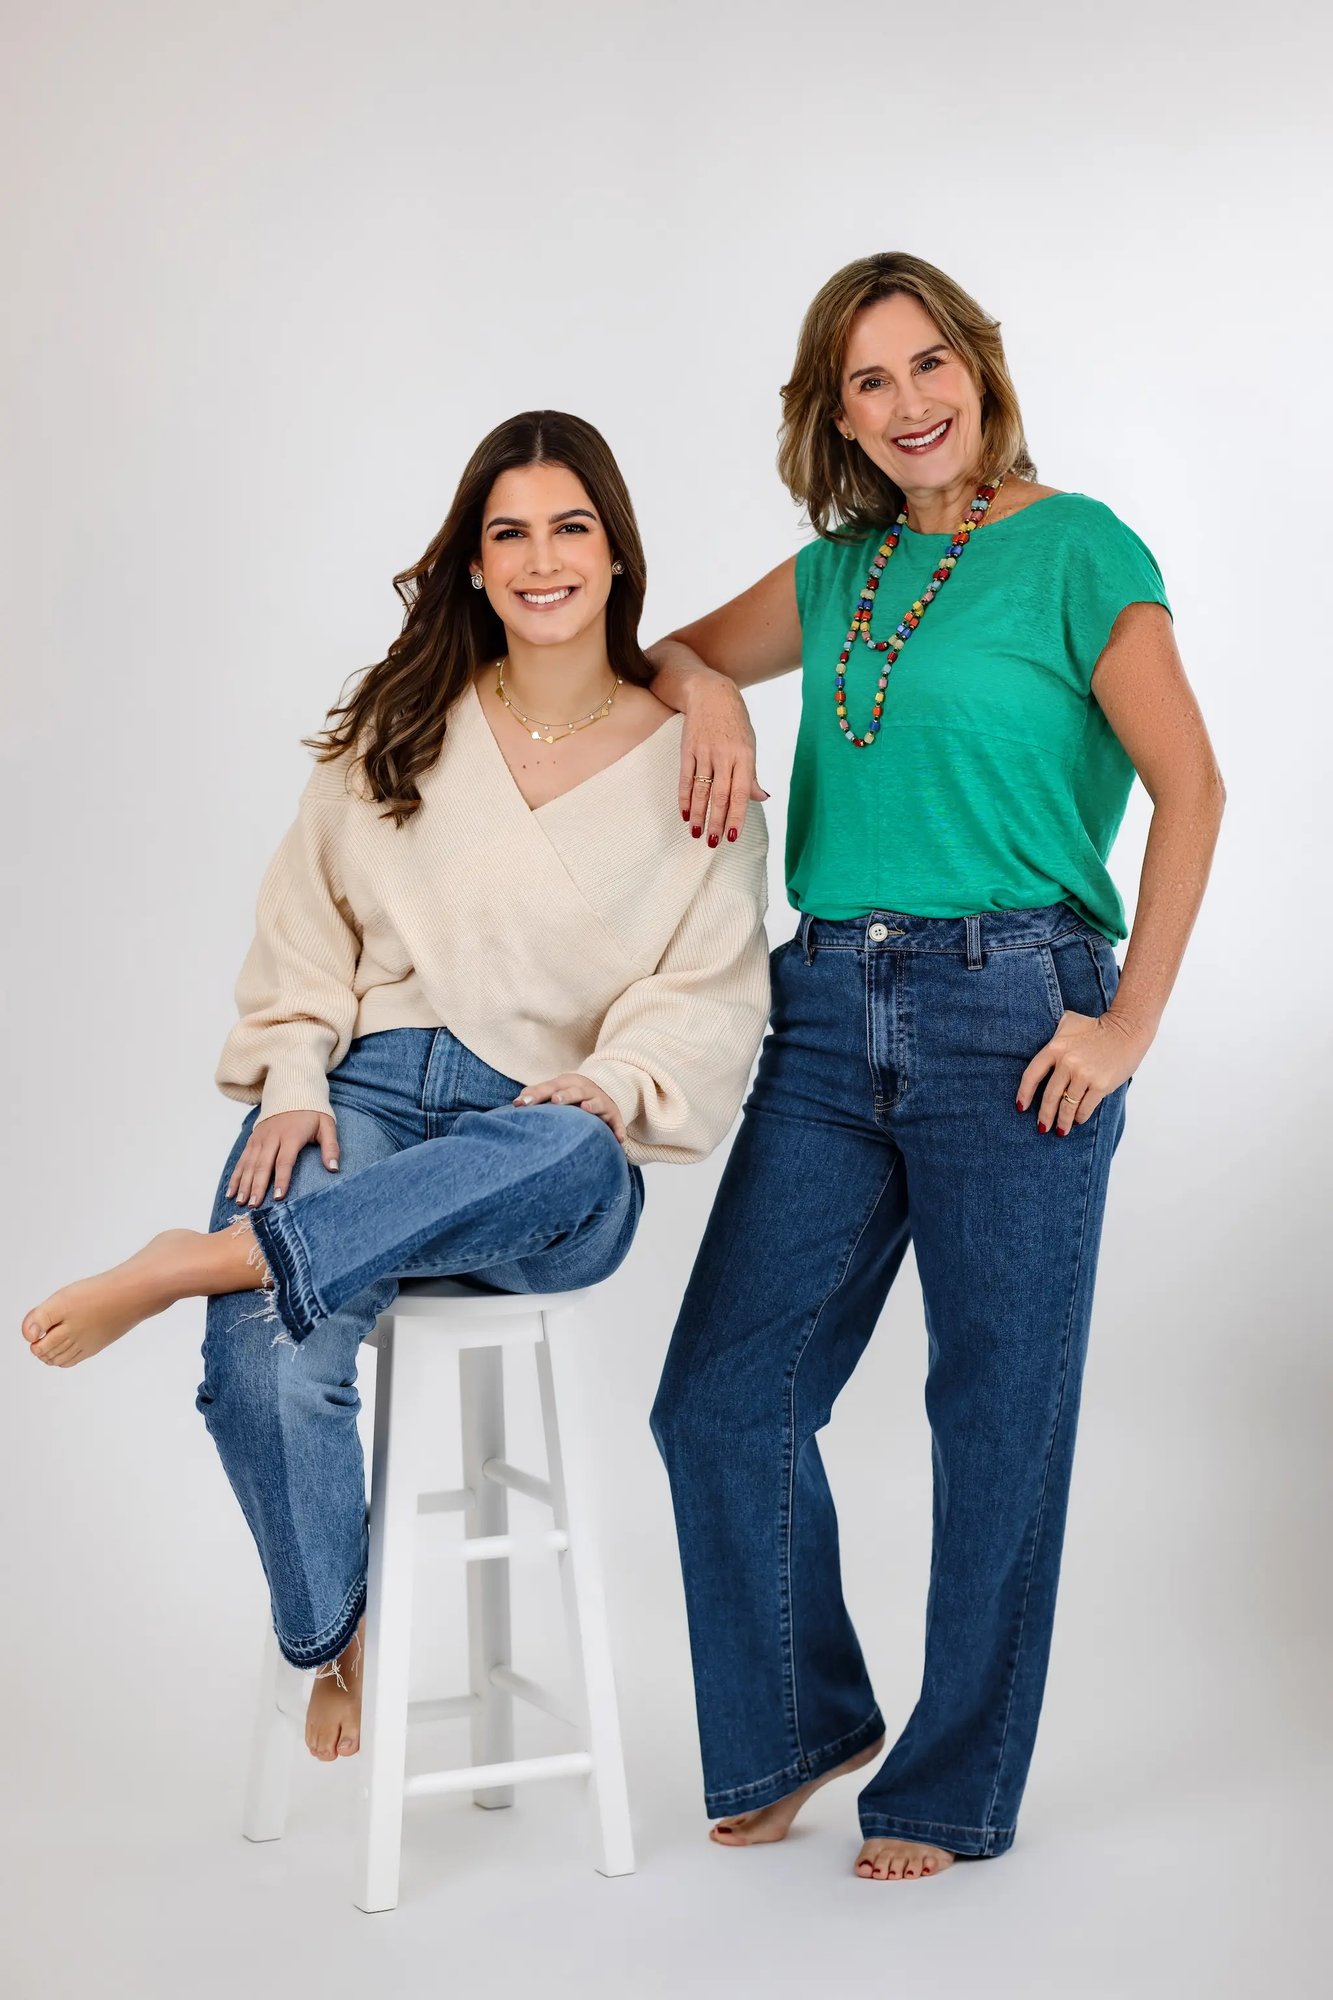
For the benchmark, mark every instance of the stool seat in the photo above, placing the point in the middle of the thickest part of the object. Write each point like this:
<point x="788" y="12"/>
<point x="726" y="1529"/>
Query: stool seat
<point x="424" y="1298"/>
<point x="430" y="1317"/>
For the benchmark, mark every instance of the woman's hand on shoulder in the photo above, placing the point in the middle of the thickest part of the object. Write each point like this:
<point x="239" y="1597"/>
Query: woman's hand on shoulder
<point x="717" y="761"/>
<point x="271" y="1150"/>
<point x="701" y="670"/>
<point x="571" y="1088"/>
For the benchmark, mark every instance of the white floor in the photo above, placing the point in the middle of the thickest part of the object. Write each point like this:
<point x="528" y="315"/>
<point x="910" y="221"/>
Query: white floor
<point x="124" y="1874"/>
<point x="1171" y="1841"/>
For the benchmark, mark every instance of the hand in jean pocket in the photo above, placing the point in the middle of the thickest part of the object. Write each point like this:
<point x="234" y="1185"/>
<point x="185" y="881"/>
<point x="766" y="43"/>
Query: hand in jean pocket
<point x="1085" y="1060"/>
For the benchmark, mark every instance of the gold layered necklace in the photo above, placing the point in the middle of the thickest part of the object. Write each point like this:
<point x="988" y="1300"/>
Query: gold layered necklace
<point x="547" y="732"/>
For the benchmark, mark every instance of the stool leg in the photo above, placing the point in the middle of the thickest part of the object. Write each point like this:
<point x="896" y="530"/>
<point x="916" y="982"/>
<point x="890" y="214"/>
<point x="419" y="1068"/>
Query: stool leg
<point x="481" y="1392"/>
<point x="268" y="1784"/>
<point x="393" y="1514"/>
<point x="569" y="1458"/>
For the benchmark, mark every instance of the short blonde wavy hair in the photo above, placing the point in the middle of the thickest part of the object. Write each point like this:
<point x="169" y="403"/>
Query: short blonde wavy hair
<point x="844" y="493"/>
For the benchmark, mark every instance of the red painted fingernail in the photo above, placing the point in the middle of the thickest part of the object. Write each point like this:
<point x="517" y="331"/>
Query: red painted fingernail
<point x="713" y="839"/>
<point x="685" y="816"/>
<point x="1063" y="1130"/>
<point x="696" y="831"/>
<point x="732" y="832"/>
<point x="1018" y="1104"/>
<point x="1040" y="1126"/>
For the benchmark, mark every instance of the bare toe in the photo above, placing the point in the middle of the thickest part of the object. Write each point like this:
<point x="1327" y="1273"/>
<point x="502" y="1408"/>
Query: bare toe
<point x="35" y="1324"/>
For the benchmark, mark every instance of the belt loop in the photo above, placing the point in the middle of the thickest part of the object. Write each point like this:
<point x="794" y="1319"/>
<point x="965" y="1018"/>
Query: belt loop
<point x="808" y="937"/>
<point x="975" y="961"/>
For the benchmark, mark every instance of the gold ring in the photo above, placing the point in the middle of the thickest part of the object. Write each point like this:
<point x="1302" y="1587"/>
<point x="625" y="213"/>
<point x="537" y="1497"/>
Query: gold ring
<point x="1065" y="1098"/>
<point x="703" y="781"/>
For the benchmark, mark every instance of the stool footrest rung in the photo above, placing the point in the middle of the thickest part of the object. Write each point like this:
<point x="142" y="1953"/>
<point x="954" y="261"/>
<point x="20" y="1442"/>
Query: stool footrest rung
<point x="503" y="1474"/>
<point x="486" y="1777"/>
<point x="443" y="1708"/>
<point x="489" y="1548"/>
<point x="455" y="1502"/>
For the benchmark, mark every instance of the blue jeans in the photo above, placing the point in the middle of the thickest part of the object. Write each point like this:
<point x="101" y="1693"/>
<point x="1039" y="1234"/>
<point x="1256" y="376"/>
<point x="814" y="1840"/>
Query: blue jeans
<point x="883" y="1111"/>
<point x="440" y="1177"/>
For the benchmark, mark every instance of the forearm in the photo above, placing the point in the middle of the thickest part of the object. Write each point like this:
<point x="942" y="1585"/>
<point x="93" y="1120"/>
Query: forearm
<point x="1176" y="864"/>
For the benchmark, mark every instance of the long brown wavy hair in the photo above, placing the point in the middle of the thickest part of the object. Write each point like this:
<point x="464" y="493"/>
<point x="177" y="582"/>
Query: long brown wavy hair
<point x="396" y="717"/>
<point x="842" y="490"/>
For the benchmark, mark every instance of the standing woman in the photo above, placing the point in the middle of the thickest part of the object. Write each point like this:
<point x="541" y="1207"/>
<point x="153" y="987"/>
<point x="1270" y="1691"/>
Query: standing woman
<point x="987" y="663"/>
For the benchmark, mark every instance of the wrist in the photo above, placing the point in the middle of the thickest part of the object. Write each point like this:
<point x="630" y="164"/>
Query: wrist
<point x="1135" y="1027"/>
<point x="699" y="683"/>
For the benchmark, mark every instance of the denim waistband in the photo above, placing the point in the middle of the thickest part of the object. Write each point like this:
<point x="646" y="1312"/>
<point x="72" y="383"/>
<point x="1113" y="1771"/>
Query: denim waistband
<point x="962" y="937"/>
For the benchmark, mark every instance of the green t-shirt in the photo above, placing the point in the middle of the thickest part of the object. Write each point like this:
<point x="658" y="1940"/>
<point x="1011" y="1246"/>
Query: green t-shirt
<point x="996" y="782"/>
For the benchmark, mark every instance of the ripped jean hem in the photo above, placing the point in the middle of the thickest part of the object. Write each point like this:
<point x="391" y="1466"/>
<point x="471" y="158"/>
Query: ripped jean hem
<point x="291" y="1297"/>
<point x="333" y="1640"/>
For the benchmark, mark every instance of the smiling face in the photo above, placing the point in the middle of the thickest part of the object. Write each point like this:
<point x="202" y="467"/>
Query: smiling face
<point x="909" y="400"/>
<point x="544" y="556"/>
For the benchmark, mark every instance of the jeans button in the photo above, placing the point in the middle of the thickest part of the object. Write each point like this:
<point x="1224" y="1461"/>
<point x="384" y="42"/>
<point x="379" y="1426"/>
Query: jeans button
<point x="878" y="932"/>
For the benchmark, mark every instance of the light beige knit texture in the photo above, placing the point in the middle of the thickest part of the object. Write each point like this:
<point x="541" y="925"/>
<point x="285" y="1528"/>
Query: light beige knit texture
<point x="591" y="934"/>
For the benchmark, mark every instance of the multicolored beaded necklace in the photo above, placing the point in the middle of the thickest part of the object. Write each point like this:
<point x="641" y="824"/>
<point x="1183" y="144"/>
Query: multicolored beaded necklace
<point x="860" y="626"/>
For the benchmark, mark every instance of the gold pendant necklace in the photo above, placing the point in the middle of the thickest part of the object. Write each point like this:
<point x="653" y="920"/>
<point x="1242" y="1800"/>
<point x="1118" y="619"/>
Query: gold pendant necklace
<point x="546" y="732"/>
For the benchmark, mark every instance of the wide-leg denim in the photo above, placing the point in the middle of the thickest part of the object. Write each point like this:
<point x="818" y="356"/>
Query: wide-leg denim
<point x="440" y="1176"/>
<point x="884" y="1110"/>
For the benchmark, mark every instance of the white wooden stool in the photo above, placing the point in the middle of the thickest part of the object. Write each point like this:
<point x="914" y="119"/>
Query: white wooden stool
<point x="427" y="1318"/>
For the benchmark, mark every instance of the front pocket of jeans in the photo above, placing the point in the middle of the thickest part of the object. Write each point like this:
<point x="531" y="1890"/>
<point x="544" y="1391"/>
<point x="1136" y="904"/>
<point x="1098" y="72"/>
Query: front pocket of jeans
<point x="1054" y="997"/>
<point x="1081" y="976"/>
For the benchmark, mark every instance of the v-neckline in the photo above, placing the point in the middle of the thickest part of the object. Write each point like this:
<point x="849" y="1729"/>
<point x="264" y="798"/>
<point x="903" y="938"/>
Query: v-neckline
<point x="570" y="790"/>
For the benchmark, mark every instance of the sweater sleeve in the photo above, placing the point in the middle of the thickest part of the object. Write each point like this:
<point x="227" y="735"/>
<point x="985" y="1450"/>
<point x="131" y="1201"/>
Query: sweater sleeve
<point x="295" y="993"/>
<point x="675" y="1048"/>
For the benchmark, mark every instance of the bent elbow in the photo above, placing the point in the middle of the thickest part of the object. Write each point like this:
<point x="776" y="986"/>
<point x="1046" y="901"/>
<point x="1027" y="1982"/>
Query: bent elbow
<point x="1219" y="790"/>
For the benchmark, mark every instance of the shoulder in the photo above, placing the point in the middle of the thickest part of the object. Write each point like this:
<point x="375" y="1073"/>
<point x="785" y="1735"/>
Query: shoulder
<point x="1075" y="530"/>
<point x="643" y="709"/>
<point x="1074" y="516"/>
<point x="334" y="781"/>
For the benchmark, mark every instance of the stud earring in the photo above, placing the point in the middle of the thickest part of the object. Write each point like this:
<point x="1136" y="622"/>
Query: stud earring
<point x="478" y="580"/>
<point x="617" y="569"/>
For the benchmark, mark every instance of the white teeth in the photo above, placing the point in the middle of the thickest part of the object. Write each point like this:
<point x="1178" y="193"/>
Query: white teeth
<point x="917" y="444"/>
<point x="545" y="596"/>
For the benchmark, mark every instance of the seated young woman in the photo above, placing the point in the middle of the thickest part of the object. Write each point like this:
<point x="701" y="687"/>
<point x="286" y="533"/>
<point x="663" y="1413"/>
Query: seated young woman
<point x="493" y="976"/>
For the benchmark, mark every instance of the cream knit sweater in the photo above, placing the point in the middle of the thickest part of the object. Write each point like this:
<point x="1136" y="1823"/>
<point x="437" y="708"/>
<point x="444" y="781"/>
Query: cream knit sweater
<point x="589" y="934"/>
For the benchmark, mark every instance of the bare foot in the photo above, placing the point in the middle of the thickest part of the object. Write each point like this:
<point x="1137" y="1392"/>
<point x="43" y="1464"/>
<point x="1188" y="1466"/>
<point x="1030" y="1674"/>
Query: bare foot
<point x="753" y="1829"/>
<point x="83" y="1318"/>
<point x="900" y="1860"/>
<point x="333" y="1719"/>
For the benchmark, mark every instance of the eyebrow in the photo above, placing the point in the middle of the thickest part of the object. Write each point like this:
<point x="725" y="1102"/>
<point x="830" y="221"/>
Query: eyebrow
<point x="940" y="347"/>
<point x="570" y="514"/>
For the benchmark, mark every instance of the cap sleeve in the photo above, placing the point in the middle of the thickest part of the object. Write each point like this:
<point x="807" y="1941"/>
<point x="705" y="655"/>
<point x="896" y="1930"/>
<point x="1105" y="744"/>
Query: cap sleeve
<point x="1109" y="568"/>
<point x="807" y="569"/>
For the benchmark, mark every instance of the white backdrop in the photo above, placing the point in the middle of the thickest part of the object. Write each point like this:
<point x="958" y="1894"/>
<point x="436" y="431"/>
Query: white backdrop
<point x="272" y="271"/>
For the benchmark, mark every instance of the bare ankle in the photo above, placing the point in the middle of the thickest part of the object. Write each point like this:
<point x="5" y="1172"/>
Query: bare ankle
<point x="236" y="1262"/>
